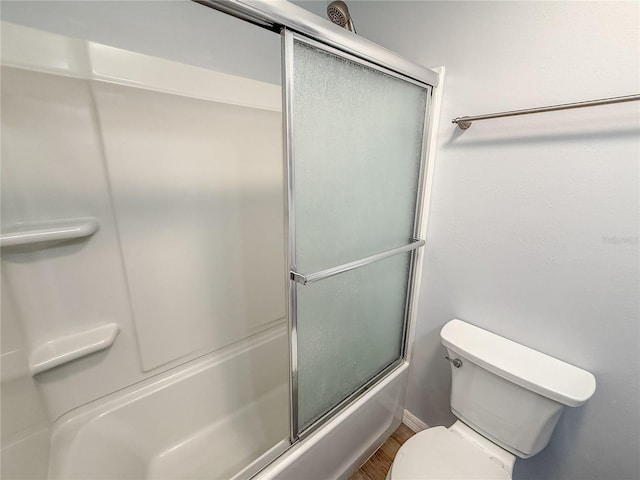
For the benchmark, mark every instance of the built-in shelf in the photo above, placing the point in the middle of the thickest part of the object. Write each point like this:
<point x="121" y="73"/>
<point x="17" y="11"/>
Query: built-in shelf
<point x="71" y="347"/>
<point x="55" y="230"/>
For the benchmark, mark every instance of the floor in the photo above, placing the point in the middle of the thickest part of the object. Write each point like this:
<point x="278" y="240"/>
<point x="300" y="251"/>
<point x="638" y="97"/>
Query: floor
<point x="378" y="465"/>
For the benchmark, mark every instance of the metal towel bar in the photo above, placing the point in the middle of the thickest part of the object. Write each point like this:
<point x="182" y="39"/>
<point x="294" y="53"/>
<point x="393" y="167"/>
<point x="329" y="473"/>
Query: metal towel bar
<point x="330" y="272"/>
<point x="465" y="122"/>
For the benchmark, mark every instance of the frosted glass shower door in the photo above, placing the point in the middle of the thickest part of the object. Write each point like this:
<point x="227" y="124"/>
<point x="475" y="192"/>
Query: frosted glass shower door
<point x="355" y="154"/>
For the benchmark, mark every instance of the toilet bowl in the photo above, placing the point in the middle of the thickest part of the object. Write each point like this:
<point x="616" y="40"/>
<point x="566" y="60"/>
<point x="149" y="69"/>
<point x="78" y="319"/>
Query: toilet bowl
<point x="508" y="399"/>
<point x="457" y="452"/>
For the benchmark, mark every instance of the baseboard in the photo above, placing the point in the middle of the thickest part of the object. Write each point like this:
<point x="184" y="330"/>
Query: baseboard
<point x="413" y="422"/>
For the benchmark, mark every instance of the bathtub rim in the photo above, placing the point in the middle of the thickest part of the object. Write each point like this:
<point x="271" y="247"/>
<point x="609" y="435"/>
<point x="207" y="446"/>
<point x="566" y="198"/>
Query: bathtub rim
<point x="296" y="451"/>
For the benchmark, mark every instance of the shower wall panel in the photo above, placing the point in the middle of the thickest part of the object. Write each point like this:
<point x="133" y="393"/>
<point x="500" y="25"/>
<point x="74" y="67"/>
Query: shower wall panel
<point x="25" y="428"/>
<point x="52" y="169"/>
<point x="197" y="190"/>
<point x="182" y="169"/>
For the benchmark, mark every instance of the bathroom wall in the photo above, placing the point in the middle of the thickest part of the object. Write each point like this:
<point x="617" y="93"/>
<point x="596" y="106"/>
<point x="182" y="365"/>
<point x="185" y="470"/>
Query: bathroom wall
<point x="533" y="228"/>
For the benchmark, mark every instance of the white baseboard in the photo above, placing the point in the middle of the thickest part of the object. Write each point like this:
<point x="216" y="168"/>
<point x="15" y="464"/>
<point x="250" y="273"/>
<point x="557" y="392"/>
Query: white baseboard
<point x="413" y="422"/>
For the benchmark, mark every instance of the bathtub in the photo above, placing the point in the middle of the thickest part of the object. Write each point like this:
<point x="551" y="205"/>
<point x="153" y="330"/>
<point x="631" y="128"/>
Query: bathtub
<point x="337" y="449"/>
<point x="220" y="418"/>
<point x="209" y="420"/>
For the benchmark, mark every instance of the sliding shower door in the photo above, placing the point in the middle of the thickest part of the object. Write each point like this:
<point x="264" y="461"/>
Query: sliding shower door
<point x="355" y="143"/>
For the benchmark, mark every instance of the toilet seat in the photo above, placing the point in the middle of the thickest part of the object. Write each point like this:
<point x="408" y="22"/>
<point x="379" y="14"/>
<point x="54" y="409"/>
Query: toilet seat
<point x="441" y="454"/>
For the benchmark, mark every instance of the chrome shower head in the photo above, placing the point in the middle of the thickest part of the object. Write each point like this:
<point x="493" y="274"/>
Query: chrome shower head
<point x="338" y="13"/>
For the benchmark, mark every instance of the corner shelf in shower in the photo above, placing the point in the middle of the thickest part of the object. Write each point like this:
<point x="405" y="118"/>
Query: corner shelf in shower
<point x="53" y="231"/>
<point x="71" y="347"/>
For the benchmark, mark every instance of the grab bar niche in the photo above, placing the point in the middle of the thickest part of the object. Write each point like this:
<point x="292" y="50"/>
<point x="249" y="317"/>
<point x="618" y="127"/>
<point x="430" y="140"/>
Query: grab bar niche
<point x="67" y="348"/>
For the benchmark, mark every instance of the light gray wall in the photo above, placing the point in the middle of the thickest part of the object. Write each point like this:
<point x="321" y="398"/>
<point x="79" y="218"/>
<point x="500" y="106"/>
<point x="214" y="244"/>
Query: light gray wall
<point x="533" y="230"/>
<point x="178" y="30"/>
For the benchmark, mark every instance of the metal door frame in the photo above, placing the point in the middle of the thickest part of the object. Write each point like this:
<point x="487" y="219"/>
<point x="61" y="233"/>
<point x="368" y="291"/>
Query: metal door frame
<point x="288" y="38"/>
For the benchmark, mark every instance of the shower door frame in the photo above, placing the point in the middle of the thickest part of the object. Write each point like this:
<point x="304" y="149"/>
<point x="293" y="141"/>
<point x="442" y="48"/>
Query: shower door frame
<point x="295" y="277"/>
<point x="292" y="21"/>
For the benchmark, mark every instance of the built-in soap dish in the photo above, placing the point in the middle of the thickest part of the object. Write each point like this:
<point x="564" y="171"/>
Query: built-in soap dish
<point x="71" y="347"/>
<point x="52" y="231"/>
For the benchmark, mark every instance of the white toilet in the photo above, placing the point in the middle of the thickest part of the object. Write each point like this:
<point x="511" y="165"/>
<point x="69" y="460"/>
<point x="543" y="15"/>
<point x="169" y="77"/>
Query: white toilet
<point x="508" y="399"/>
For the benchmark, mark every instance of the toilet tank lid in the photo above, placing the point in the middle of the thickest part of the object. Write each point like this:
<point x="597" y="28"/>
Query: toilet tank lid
<point x="524" y="366"/>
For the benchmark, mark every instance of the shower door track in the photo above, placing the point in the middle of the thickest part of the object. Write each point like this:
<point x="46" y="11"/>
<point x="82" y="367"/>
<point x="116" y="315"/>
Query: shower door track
<point x="275" y="15"/>
<point x="292" y="21"/>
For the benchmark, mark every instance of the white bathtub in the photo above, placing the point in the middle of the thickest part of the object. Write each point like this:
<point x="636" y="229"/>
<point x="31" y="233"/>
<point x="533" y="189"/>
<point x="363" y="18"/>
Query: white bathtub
<point x="215" y="418"/>
<point x="209" y="420"/>
<point x="348" y="440"/>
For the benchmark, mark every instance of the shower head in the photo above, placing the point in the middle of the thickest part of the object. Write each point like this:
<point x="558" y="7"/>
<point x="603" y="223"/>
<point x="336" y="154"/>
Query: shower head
<point x="338" y="13"/>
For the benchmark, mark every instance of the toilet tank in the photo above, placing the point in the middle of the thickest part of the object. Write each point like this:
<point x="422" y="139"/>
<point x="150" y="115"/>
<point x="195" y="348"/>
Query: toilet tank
<point x="509" y="393"/>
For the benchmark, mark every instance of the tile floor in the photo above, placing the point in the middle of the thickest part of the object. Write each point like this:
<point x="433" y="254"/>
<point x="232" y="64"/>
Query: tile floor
<point x="378" y="465"/>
